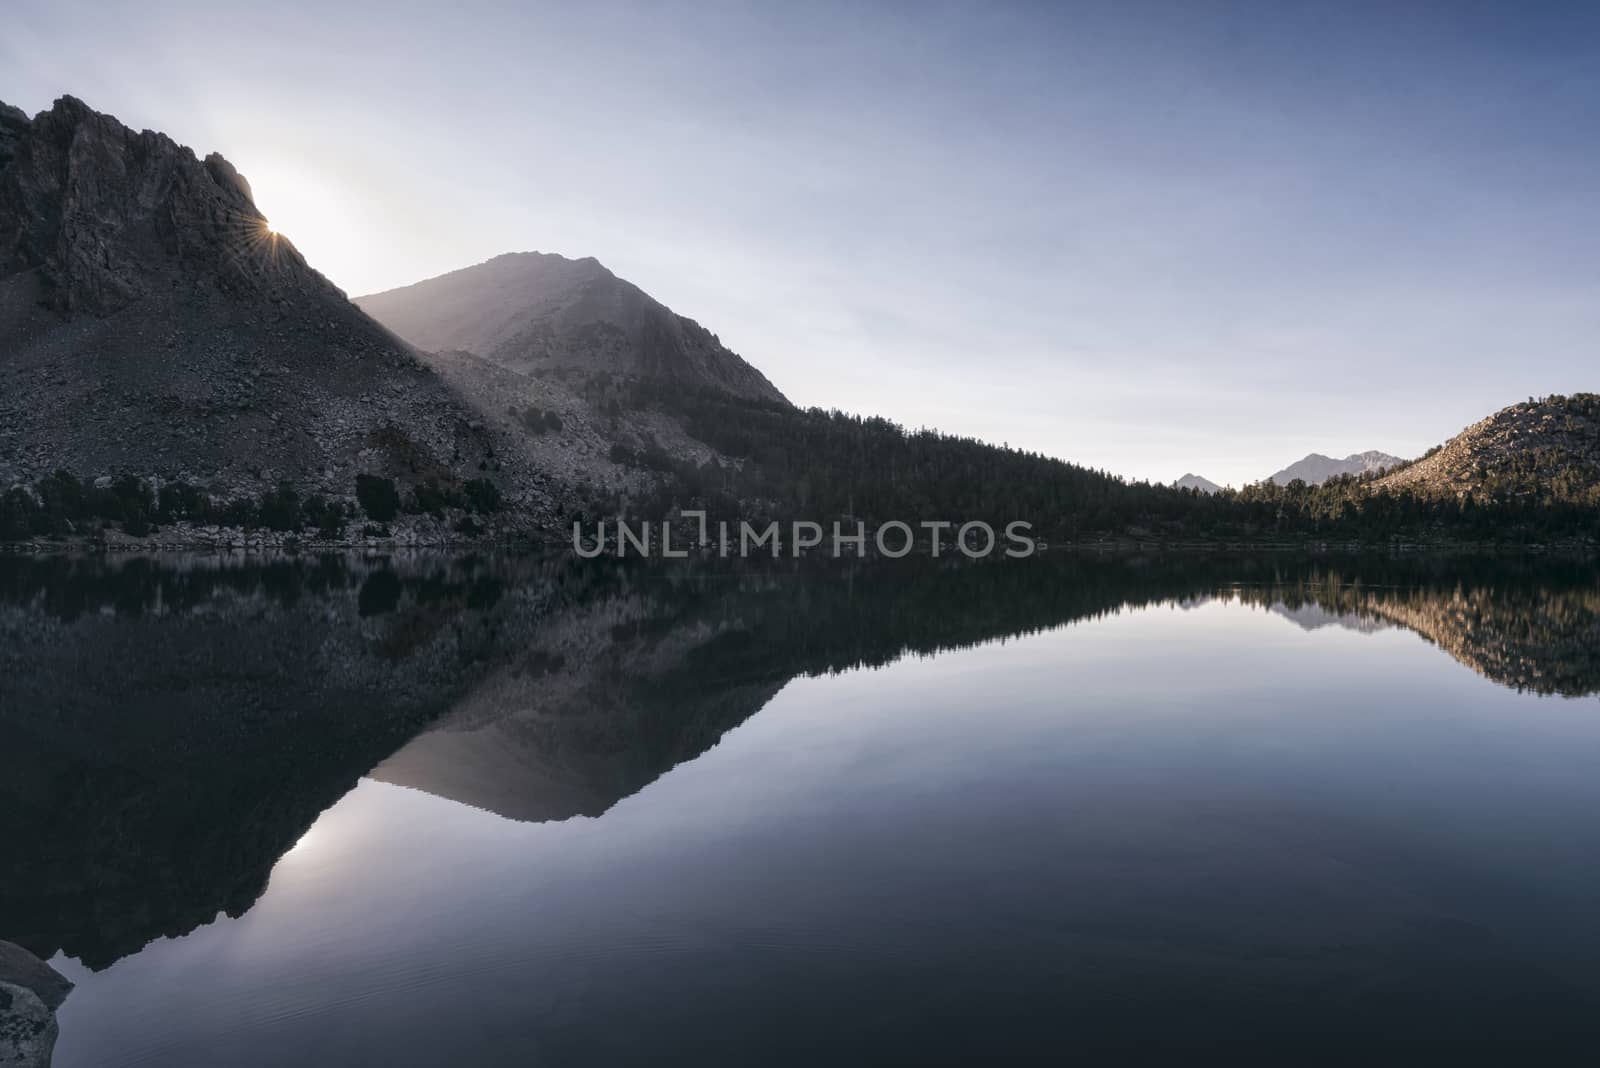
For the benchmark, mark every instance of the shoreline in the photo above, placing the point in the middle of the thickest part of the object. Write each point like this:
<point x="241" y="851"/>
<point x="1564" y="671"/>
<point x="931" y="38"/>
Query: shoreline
<point x="248" y="544"/>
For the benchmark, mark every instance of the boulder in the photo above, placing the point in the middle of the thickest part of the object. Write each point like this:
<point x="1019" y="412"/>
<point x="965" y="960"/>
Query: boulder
<point x="21" y="968"/>
<point x="28" y="1029"/>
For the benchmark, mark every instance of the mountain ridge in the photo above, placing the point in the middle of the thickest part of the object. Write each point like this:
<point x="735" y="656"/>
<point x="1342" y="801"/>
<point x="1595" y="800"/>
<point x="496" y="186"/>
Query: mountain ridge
<point x="1315" y="468"/>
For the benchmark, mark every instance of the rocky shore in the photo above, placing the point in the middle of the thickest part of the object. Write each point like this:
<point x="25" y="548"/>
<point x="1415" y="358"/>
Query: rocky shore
<point x="413" y="532"/>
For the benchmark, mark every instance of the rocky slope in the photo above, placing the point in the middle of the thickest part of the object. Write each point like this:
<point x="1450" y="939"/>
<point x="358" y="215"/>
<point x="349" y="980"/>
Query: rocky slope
<point x="1544" y="449"/>
<point x="565" y="430"/>
<point x="1317" y="468"/>
<point x="151" y="323"/>
<point x="537" y="313"/>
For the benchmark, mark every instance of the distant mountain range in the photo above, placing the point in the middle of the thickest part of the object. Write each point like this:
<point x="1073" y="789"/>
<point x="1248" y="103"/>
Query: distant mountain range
<point x="1316" y="468"/>
<point x="1313" y="470"/>
<point x="1532" y="450"/>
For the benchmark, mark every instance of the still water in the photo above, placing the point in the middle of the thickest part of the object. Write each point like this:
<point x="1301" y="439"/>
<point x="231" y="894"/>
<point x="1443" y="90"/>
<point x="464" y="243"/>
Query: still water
<point x="473" y="811"/>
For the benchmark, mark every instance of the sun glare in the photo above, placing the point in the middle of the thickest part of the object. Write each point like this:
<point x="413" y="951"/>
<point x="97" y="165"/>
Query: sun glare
<point x="306" y="208"/>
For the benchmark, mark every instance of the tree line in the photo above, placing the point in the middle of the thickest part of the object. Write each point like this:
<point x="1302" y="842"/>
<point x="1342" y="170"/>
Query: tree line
<point x="786" y="463"/>
<point x="63" y="503"/>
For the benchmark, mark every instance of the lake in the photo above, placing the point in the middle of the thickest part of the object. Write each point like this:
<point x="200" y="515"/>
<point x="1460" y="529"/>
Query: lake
<point x="485" y="810"/>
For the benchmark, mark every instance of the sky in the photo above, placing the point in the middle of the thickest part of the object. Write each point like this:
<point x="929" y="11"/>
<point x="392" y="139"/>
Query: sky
<point x="1148" y="237"/>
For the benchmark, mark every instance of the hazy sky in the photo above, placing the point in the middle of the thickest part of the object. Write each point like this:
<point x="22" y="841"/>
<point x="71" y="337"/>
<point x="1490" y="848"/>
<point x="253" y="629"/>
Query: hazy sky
<point x="1148" y="237"/>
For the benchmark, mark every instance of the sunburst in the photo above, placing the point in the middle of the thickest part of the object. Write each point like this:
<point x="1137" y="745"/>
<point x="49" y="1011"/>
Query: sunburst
<point x="253" y="244"/>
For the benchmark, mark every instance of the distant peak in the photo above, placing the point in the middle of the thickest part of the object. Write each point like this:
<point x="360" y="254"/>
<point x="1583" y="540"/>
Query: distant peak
<point x="1315" y="468"/>
<point x="1190" y="480"/>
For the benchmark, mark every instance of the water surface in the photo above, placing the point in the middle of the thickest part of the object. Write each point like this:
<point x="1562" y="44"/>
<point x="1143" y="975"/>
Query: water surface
<point x="480" y="811"/>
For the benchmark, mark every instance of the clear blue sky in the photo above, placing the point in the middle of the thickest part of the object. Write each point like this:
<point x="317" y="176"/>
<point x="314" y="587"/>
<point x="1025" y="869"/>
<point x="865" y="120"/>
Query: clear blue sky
<point x="1149" y="237"/>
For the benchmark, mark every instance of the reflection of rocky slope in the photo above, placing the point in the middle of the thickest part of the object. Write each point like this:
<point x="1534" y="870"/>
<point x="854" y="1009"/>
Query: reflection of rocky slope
<point x="165" y="735"/>
<point x="1550" y="646"/>
<point x="594" y="711"/>
<point x="1542" y="636"/>
<point x="619" y="690"/>
<point x="1315" y="617"/>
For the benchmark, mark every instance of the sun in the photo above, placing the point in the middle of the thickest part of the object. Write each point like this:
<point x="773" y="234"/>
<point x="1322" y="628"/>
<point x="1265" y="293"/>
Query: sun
<point x="309" y="209"/>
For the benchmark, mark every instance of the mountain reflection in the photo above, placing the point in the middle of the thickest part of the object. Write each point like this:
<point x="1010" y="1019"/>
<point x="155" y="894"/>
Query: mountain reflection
<point x="169" y="729"/>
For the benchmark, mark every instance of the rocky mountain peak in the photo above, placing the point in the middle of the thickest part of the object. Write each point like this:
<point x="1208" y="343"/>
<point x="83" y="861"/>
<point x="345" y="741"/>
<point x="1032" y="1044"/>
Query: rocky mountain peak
<point x="100" y="216"/>
<point x="535" y="313"/>
<point x="153" y="325"/>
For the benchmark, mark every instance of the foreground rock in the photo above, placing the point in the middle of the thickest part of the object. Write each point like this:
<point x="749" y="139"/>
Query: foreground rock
<point x="30" y="992"/>
<point x="28" y="1029"/>
<point x="18" y="967"/>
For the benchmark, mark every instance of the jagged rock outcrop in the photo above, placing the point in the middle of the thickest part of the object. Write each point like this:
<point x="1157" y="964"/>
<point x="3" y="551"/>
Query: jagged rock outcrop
<point x="1539" y="449"/>
<point x="537" y="312"/>
<point x="107" y="216"/>
<point x="152" y="324"/>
